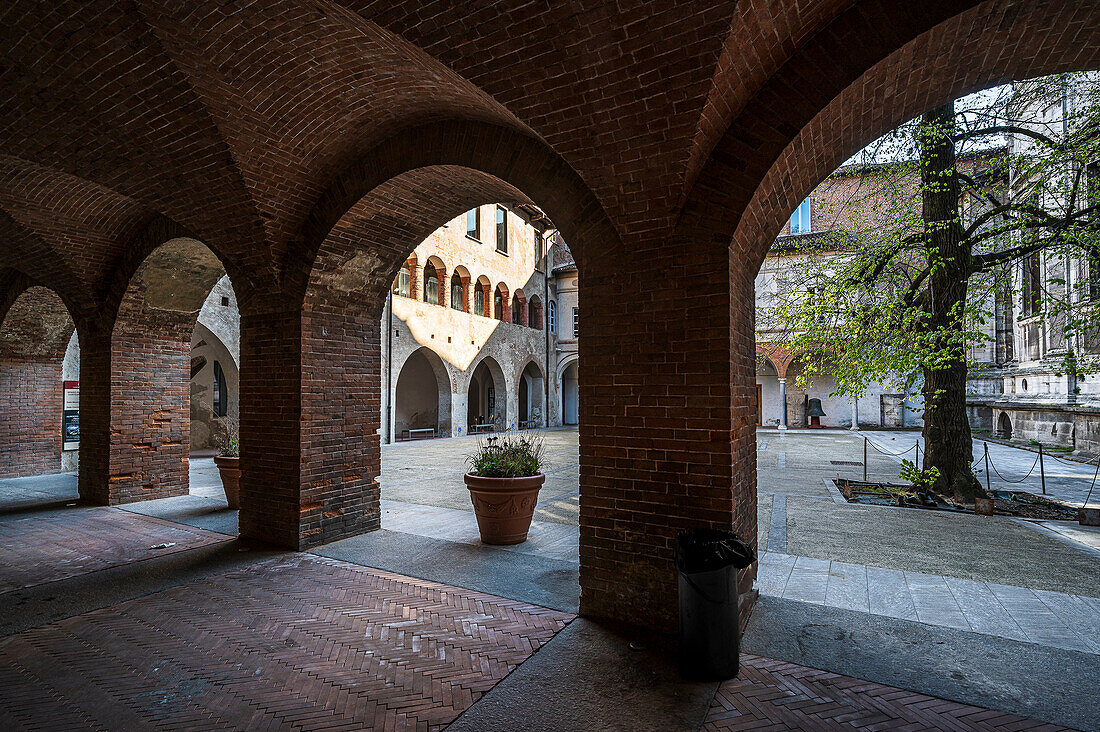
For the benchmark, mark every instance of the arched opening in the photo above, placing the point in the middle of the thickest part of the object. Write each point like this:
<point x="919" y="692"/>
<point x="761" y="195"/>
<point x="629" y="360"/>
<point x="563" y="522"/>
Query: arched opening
<point x="487" y="401"/>
<point x="404" y="284"/>
<point x="434" y="277"/>
<point x="460" y="289"/>
<point x="502" y="306"/>
<point x="1004" y="426"/>
<point x="531" y="408"/>
<point x="570" y="394"/>
<point x="35" y="332"/>
<point x="519" y="308"/>
<point x="422" y="398"/>
<point x="215" y="374"/>
<point x="482" y="296"/>
<point x="769" y="403"/>
<point x="150" y="375"/>
<point x="534" y="308"/>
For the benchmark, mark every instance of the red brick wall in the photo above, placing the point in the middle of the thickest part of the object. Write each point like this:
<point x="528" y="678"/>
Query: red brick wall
<point x="35" y="328"/>
<point x="150" y="404"/>
<point x="30" y="416"/>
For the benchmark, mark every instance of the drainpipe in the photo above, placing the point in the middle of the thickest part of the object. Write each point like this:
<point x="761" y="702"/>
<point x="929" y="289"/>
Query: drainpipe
<point x="389" y="369"/>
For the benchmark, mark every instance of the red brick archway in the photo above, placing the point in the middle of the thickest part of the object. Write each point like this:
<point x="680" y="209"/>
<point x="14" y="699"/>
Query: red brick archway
<point x="35" y="328"/>
<point x="676" y="137"/>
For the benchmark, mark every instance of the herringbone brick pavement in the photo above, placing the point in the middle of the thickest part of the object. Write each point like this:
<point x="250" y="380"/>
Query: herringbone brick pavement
<point x="46" y="546"/>
<point x="776" y="696"/>
<point x="297" y="642"/>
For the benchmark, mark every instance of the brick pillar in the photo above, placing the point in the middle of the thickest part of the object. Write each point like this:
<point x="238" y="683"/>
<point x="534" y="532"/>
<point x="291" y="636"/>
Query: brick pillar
<point x="30" y="415"/>
<point x="150" y="402"/>
<point x="310" y="409"/>
<point x="95" y="414"/>
<point x="667" y="421"/>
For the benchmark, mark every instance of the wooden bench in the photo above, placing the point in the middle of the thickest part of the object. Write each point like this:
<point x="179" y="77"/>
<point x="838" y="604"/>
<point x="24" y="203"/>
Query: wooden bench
<point x="477" y="429"/>
<point x="411" y="434"/>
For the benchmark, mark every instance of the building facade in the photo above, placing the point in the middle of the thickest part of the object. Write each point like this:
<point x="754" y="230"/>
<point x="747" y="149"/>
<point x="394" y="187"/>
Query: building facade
<point x="1039" y="380"/>
<point x="472" y="329"/>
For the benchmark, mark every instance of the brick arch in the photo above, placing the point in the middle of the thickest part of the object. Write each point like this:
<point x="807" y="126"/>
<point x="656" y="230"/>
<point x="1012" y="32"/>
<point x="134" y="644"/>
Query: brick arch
<point x="486" y="287"/>
<point x="519" y="307"/>
<point x="135" y="387"/>
<point x="803" y="119"/>
<point x="1059" y="36"/>
<point x="35" y="329"/>
<point x="483" y="152"/>
<point x="501" y="291"/>
<point x="441" y="279"/>
<point x="462" y="275"/>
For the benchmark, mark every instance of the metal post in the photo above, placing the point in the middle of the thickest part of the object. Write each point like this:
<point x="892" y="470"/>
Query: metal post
<point x="987" y="490"/>
<point x="864" y="459"/>
<point x="1042" y="471"/>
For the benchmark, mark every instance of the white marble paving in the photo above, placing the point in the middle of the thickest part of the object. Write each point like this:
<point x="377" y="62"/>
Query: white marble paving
<point x="1046" y="618"/>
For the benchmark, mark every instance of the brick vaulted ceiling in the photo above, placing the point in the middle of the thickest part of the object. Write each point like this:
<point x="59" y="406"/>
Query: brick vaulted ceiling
<point x="233" y="120"/>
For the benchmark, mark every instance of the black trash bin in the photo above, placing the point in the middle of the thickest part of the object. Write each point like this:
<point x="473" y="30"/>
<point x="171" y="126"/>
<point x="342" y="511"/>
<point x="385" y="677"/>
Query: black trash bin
<point x="707" y="561"/>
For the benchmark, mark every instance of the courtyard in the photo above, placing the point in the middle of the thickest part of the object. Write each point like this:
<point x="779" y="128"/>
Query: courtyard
<point x="989" y="612"/>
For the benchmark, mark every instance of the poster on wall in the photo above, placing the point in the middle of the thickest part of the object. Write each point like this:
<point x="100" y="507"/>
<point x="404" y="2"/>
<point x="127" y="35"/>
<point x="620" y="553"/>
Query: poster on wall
<point x="70" y="419"/>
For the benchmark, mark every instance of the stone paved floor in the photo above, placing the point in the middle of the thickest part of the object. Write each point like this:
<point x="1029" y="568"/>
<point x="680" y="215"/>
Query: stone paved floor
<point x="297" y="642"/>
<point x="775" y="695"/>
<point x="50" y="545"/>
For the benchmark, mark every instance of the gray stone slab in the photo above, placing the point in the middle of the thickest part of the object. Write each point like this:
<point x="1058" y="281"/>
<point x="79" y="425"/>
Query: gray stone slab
<point x="809" y="580"/>
<point x="588" y="677"/>
<point x="1041" y="682"/>
<point x="888" y="594"/>
<point x="983" y="611"/>
<point x="847" y="587"/>
<point x="1037" y="620"/>
<point x="934" y="602"/>
<point x="203" y="513"/>
<point x="538" y="580"/>
<point x="773" y="572"/>
<point x="1076" y="614"/>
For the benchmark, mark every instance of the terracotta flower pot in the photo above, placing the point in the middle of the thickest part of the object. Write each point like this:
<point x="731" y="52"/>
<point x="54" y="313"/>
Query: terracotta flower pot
<point x="984" y="506"/>
<point x="230" y="469"/>
<point x="504" y="506"/>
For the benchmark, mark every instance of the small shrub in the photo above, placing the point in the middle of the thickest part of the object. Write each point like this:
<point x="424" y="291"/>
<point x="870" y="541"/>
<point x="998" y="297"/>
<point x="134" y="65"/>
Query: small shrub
<point x="508" y="457"/>
<point x="922" y="480"/>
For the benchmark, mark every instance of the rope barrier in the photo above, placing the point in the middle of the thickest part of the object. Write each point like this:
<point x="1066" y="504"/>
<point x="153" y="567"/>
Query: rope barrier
<point x="891" y="454"/>
<point x="1021" y="480"/>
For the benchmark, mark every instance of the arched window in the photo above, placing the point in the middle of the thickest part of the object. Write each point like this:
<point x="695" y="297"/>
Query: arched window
<point x="403" y="283"/>
<point x="431" y="285"/>
<point x="479" y="301"/>
<point x="498" y="306"/>
<point x="534" y="312"/>
<point x="456" y="293"/>
<point x="221" y="394"/>
<point x="552" y="316"/>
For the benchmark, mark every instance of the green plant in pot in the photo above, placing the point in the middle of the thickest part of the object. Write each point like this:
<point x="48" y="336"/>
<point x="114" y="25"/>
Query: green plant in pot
<point x="504" y="481"/>
<point x="228" y="461"/>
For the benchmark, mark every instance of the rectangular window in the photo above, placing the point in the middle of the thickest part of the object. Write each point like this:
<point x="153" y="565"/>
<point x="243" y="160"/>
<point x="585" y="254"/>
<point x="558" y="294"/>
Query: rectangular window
<point x="479" y="301"/>
<point x="502" y="230"/>
<point x="456" y="296"/>
<point x="800" y="219"/>
<point x="538" y="250"/>
<point x="473" y="223"/>
<point x="1032" y="299"/>
<point x="576" y="322"/>
<point x="1094" y="278"/>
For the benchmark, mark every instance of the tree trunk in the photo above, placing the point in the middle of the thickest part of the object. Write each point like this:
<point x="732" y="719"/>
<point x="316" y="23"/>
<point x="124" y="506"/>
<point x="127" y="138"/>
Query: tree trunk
<point x="948" y="446"/>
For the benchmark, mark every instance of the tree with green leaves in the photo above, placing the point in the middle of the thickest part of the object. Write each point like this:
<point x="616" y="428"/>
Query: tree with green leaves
<point x="949" y="214"/>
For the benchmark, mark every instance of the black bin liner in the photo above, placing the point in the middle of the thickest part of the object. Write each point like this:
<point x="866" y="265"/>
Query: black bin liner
<point x="707" y="561"/>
